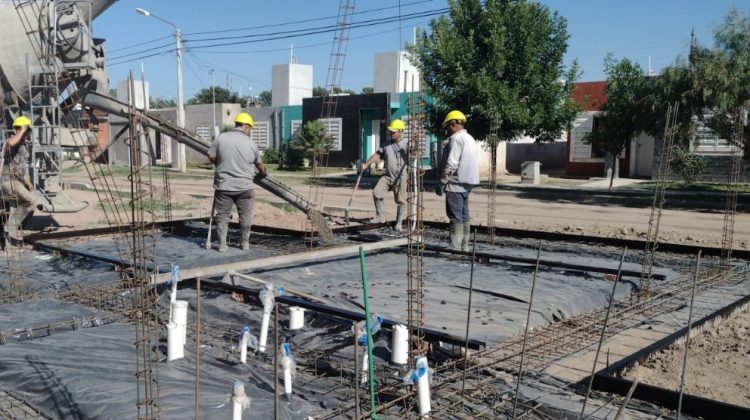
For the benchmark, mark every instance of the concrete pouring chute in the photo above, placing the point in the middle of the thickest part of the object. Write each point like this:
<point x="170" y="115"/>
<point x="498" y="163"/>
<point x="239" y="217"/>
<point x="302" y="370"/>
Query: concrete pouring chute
<point x="96" y="100"/>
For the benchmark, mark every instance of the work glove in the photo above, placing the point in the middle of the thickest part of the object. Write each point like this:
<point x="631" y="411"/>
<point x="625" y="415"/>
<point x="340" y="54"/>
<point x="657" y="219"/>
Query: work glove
<point x="439" y="189"/>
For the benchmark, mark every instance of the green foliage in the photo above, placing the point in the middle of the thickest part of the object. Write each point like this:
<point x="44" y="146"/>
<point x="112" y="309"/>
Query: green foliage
<point x="368" y="90"/>
<point x="314" y="141"/>
<point x="159" y="103"/>
<point x="206" y="96"/>
<point x="289" y="158"/>
<point x="265" y="98"/>
<point x="319" y="91"/>
<point x="501" y="63"/>
<point x="270" y="156"/>
<point x="688" y="165"/>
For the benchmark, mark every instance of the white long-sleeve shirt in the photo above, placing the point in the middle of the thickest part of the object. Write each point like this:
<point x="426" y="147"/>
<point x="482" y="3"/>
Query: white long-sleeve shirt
<point x="460" y="162"/>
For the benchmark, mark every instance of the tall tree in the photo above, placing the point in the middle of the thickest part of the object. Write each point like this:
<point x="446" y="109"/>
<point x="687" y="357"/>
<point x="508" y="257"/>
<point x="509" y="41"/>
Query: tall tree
<point x="723" y="76"/>
<point x="206" y="96"/>
<point x="265" y="98"/>
<point x="624" y="115"/>
<point x="319" y="91"/>
<point x="501" y="63"/>
<point x="368" y="90"/>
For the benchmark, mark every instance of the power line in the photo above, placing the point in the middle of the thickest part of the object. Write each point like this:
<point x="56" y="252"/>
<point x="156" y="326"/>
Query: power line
<point x="139" y="44"/>
<point x="283" y="35"/>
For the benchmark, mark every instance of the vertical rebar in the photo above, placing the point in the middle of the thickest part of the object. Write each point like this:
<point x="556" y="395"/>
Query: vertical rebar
<point x="468" y="313"/>
<point x="356" y="372"/>
<point x="371" y="373"/>
<point x="197" y="343"/>
<point x="604" y="331"/>
<point x="526" y="329"/>
<point x="687" y="335"/>
<point x="276" y="361"/>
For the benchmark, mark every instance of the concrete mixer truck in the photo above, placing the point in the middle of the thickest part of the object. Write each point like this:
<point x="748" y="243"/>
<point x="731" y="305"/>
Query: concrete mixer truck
<point x="47" y="53"/>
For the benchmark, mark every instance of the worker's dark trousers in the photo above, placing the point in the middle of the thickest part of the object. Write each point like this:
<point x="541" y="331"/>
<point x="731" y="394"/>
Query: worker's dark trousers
<point x="226" y="199"/>
<point x="457" y="206"/>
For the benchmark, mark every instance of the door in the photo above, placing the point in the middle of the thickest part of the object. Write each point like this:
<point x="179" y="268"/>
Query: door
<point x="644" y="156"/>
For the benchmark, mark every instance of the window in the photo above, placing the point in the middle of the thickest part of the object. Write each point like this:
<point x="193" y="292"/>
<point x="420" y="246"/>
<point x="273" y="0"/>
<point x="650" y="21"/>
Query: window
<point x="596" y="150"/>
<point x="333" y="126"/>
<point x="203" y="130"/>
<point x="261" y="134"/>
<point x="425" y="140"/>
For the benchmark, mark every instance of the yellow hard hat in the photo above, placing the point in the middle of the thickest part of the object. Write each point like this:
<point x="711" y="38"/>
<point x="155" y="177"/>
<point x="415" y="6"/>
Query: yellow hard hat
<point x="455" y="115"/>
<point x="21" y="121"/>
<point x="397" y="125"/>
<point x="244" y="118"/>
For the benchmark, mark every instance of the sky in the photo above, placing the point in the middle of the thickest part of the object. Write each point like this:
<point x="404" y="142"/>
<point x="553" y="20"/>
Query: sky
<point x="252" y="36"/>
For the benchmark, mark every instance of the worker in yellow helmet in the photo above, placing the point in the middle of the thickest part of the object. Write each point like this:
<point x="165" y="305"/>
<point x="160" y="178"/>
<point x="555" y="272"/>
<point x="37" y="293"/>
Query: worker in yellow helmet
<point x="459" y="173"/>
<point x="394" y="179"/>
<point x="16" y="184"/>
<point x="237" y="160"/>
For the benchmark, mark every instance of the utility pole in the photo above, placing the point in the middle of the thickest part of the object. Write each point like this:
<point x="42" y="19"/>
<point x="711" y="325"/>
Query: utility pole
<point x="213" y="108"/>
<point x="180" y="164"/>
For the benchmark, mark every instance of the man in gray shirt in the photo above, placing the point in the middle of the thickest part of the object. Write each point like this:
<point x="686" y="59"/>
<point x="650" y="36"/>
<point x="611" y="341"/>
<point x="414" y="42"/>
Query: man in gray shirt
<point x="395" y="157"/>
<point x="236" y="158"/>
<point x="459" y="173"/>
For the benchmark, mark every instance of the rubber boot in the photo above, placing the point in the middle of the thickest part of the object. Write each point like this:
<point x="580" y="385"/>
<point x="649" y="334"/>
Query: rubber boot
<point x="221" y="231"/>
<point x="16" y="219"/>
<point x="457" y="234"/>
<point x="245" y="233"/>
<point x="379" y="212"/>
<point x="400" y="215"/>
<point x="466" y="237"/>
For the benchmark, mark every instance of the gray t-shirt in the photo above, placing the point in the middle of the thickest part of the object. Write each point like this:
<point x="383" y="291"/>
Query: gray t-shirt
<point x="395" y="156"/>
<point x="236" y="155"/>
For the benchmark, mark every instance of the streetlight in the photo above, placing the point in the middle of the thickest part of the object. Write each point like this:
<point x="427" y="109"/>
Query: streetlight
<point x="178" y="160"/>
<point x="213" y="108"/>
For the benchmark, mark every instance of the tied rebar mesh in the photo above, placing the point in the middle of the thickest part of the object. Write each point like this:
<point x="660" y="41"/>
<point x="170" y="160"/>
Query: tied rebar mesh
<point x="327" y="115"/>
<point x="417" y="136"/>
<point x="142" y="251"/>
<point x="662" y="175"/>
<point x="733" y="184"/>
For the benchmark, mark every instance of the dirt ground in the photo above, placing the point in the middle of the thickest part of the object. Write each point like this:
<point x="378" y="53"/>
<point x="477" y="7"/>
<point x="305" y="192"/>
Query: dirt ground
<point x="718" y="362"/>
<point x="514" y="209"/>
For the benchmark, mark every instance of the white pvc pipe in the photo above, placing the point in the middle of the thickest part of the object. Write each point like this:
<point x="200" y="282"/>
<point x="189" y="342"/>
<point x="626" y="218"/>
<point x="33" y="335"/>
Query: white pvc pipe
<point x="179" y="317"/>
<point x="363" y="375"/>
<point x="243" y="344"/>
<point x="287" y="378"/>
<point x="175" y="347"/>
<point x="264" y="330"/>
<point x="423" y="390"/>
<point x="240" y="401"/>
<point x="296" y="318"/>
<point x="400" y="344"/>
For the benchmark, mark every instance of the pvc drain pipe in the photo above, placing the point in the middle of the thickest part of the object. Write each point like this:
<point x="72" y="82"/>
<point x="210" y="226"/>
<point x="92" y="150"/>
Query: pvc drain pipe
<point x="244" y="337"/>
<point x="268" y="297"/>
<point x="296" y="318"/>
<point x="240" y="401"/>
<point x="400" y="345"/>
<point x="287" y="363"/>
<point x="421" y="371"/>
<point x="175" y="347"/>
<point x="179" y="317"/>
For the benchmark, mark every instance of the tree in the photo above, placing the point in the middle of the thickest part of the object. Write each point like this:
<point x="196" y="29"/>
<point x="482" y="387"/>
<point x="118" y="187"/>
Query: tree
<point x="319" y="91"/>
<point x="723" y="77"/>
<point x="368" y="90"/>
<point x="500" y="63"/>
<point x="314" y="141"/>
<point x="206" y="96"/>
<point x="624" y="115"/>
<point x="159" y="103"/>
<point x="265" y="98"/>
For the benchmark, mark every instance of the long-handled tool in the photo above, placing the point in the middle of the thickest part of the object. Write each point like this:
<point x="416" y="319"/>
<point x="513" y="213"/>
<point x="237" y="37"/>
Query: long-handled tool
<point x="348" y="206"/>
<point x="210" y="222"/>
